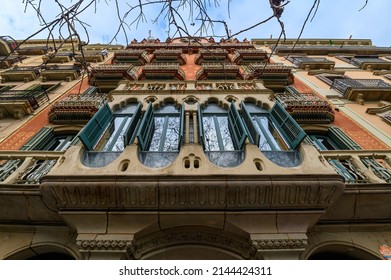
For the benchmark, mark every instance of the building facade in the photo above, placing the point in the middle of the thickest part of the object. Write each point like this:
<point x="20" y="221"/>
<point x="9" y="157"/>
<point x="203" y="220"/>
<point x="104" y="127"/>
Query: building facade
<point x="191" y="148"/>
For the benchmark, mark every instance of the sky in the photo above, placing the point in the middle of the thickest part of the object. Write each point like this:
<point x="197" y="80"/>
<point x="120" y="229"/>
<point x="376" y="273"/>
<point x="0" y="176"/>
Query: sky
<point x="334" y="19"/>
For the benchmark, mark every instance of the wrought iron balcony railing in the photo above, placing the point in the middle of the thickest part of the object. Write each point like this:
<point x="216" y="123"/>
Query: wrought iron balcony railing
<point x="304" y="62"/>
<point x="369" y="89"/>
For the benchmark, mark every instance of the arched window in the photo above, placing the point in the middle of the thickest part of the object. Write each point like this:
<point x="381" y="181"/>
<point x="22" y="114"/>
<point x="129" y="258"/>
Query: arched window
<point x="160" y="135"/>
<point x="111" y="132"/>
<point x="222" y="134"/>
<point x="275" y="133"/>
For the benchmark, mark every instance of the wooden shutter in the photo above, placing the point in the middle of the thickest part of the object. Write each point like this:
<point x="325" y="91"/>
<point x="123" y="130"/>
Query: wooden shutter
<point x="289" y="128"/>
<point x="129" y="133"/>
<point x="236" y="127"/>
<point x="94" y="129"/>
<point x="342" y="139"/>
<point x="200" y="127"/>
<point x="254" y="135"/>
<point x="39" y="140"/>
<point x="146" y="129"/>
<point x="181" y="127"/>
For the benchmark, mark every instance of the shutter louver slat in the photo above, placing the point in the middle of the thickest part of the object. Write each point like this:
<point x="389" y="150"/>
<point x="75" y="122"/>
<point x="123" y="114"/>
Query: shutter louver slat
<point x="146" y="129"/>
<point x="95" y="127"/>
<point x="291" y="131"/>
<point x="131" y="129"/>
<point x="255" y="136"/>
<point x="236" y="127"/>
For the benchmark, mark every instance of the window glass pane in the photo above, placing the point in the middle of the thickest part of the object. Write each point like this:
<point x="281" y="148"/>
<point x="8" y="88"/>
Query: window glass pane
<point x="59" y="143"/>
<point x="157" y="134"/>
<point x="128" y="109"/>
<point x="215" y="134"/>
<point x="114" y="135"/>
<point x="172" y="135"/>
<point x="269" y="135"/>
<point x="211" y="141"/>
<point x="225" y="135"/>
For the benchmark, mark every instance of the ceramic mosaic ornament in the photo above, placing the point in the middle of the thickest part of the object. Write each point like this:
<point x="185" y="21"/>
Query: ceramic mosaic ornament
<point x="386" y="252"/>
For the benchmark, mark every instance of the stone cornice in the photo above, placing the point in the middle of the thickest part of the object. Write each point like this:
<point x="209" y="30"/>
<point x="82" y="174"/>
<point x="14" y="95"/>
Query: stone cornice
<point x="221" y="193"/>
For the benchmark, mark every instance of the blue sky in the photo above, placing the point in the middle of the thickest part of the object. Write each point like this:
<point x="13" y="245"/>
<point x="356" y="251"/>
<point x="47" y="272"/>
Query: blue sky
<point x="335" y="19"/>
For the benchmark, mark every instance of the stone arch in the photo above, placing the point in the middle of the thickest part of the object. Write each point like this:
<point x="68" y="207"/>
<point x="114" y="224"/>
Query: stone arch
<point x="214" y="100"/>
<point x="192" y="243"/>
<point x="339" y="251"/>
<point x="190" y="99"/>
<point x="44" y="251"/>
<point x="124" y="103"/>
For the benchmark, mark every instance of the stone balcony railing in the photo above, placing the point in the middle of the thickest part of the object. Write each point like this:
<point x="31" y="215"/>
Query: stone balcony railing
<point x="211" y="55"/>
<point x="247" y="56"/>
<point x="26" y="167"/>
<point x="134" y="56"/>
<point x="361" y="166"/>
<point x="64" y="73"/>
<point x="160" y="71"/>
<point x="219" y="71"/>
<point x="7" y="62"/>
<point x="306" y="107"/>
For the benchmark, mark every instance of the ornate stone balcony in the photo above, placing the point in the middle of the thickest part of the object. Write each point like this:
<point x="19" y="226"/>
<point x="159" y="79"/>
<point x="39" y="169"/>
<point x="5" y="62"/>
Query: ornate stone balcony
<point x="275" y="76"/>
<point x="167" y="71"/>
<point x="311" y="63"/>
<point x="20" y="73"/>
<point x="211" y="56"/>
<point x="26" y="167"/>
<point x="56" y="72"/>
<point x="217" y="70"/>
<point x="247" y="56"/>
<point x="91" y="56"/>
<point x="363" y="89"/>
<point x="7" y="62"/>
<point x="76" y="108"/>
<point x="107" y="76"/>
<point x="367" y="62"/>
<point x="306" y="107"/>
<point x="60" y="57"/>
<point x="133" y="56"/>
<point x="284" y="50"/>
<point x="169" y="56"/>
<point x="33" y="50"/>
<point x="18" y="103"/>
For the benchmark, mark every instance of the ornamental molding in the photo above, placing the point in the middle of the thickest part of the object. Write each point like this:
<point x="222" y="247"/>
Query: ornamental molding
<point x="197" y="194"/>
<point x="217" y="239"/>
<point x="280" y="244"/>
<point x="94" y="245"/>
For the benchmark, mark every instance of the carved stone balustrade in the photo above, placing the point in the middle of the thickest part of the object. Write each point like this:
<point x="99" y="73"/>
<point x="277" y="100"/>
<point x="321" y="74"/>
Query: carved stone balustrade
<point x="219" y="71"/>
<point x="311" y="63"/>
<point x="56" y="72"/>
<point x="161" y="71"/>
<point x="247" y="56"/>
<point x="136" y="57"/>
<point x="211" y="56"/>
<point x="169" y="55"/>
<point x="306" y="107"/>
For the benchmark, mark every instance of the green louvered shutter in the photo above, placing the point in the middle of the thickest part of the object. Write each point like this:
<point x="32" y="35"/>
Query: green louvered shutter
<point x="342" y="139"/>
<point x="39" y="140"/>
<point x="94" y="129"/>
<point x="181" y="127"/>
<point x="200" y="127"/>
<point x="289" y="128"/>
<point x="255" y="136"/>
<point x="131" y="129"/>
<point x="146" y="129"/>
<point x="236" y="127"/>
